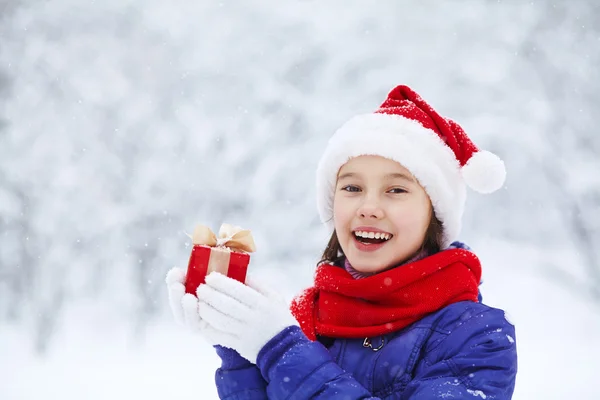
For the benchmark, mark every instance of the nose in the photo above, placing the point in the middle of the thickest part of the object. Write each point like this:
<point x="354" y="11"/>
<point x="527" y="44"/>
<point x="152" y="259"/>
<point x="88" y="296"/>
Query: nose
<point x="370" y="209"/>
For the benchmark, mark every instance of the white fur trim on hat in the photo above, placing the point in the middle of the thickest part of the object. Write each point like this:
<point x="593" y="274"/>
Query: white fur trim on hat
<point x="418" y="149"/>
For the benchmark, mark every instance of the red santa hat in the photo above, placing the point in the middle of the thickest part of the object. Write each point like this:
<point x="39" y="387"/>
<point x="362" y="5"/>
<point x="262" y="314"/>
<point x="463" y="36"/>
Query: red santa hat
<point x="434" y="149"/>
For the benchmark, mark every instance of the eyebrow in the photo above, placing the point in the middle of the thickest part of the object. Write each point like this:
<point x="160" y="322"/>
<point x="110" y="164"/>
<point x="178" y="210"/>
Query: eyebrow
<point x="395" y="175"/>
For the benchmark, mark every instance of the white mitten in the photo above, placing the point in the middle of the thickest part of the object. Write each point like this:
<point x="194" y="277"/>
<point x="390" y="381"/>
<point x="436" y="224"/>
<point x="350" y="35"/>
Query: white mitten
<point x="184" y="307"/>
<point x="247" y="315"/>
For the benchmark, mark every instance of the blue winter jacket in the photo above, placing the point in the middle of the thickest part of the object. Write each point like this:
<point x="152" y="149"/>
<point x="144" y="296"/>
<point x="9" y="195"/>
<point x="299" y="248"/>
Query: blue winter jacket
<point x="464" y="351"/>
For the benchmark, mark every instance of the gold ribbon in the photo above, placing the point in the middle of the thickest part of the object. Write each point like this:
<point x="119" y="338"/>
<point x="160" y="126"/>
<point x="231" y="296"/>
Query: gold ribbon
<point x="232" y="237"/>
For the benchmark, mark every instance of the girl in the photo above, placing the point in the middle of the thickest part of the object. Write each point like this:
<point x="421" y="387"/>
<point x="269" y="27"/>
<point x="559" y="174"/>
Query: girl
<point x="394" y="312"/>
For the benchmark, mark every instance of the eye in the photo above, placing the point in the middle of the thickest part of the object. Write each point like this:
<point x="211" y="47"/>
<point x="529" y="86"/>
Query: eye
<point x="351" y="188"/>
<point x="397" y="191"/>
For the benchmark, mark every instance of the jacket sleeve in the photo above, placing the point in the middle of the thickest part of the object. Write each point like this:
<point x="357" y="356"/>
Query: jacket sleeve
<point x="297" y="368"/>
<point x="477" y="359"/>
<point x="238" y="378"/>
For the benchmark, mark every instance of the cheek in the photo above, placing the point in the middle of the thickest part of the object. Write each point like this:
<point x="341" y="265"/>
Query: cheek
<point x="341" y="211"/>
<point x="412" y="220"/>
<point x="343" y="215"/>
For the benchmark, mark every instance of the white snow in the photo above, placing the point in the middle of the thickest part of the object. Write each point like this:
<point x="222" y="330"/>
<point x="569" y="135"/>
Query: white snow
<point x="172" y="364"/>
<point x="477" y="393"/>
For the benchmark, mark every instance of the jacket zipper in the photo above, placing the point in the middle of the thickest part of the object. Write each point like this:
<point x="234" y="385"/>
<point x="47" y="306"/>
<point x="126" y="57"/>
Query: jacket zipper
<point x="369" y="344"/>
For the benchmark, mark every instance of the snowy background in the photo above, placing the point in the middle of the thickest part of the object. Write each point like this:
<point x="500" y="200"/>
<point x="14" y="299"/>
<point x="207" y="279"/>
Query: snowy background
<point x="123" y="123"/>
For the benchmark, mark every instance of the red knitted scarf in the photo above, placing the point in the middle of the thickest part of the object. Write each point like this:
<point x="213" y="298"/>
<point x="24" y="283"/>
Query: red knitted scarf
<point x="343" y="307"/>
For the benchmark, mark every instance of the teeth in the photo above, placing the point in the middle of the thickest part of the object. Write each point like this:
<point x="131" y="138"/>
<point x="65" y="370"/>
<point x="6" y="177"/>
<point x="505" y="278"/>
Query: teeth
<point x="373" y="235"/>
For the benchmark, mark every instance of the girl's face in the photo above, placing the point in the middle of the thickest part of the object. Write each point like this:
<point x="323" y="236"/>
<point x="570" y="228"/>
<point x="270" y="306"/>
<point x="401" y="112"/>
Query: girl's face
<point x="381" y="213"/>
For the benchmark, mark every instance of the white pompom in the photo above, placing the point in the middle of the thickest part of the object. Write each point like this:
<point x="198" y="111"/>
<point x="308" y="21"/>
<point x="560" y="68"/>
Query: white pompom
<point x="484" y="172"/>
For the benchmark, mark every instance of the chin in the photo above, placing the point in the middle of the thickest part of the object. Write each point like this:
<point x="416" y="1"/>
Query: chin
<point x="393" y="253"/>
<point x="369" y="267"/>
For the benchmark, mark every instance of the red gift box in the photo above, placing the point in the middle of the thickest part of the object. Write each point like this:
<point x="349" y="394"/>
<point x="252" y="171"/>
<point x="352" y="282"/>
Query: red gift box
<point x="228" y="254"/>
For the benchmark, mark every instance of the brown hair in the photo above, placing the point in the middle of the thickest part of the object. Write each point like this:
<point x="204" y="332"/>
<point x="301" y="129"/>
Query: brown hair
<point x="431" y="244"/>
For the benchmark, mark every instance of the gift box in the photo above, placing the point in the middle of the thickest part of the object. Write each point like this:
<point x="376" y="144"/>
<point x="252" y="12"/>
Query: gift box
<point x="228" y="254"/>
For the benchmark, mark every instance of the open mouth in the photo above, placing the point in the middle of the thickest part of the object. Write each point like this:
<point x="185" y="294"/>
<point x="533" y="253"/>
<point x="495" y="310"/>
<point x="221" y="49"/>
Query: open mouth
<point x="372" y="237"/>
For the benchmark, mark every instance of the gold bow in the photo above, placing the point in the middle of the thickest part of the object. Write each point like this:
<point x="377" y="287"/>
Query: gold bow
<point x="232" y="237"/>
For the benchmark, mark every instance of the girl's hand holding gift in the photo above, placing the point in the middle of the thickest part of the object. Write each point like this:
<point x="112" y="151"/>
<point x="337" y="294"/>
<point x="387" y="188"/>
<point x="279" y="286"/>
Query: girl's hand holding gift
<point x="212" y="309"/>
<point x="184" y="306"/>
<point x="246" y="316"/>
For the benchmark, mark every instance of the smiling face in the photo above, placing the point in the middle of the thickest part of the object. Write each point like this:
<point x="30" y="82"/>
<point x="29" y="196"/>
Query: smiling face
<point x="381" y="213"/>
